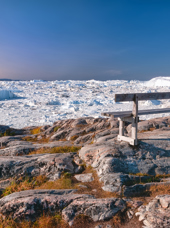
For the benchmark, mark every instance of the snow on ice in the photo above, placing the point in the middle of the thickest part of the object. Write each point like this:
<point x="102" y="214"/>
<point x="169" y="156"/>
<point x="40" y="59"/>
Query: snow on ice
<point x="43" y="102"/>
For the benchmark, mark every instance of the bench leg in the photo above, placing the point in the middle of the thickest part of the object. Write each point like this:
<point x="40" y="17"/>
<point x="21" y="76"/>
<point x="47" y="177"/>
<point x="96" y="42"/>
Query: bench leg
<point x="121" y="127"/>
<point x="135" y="130"/>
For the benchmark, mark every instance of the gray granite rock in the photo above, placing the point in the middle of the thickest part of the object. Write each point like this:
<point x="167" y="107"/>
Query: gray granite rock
<point x="97" y="209"/>
<point x="40" y="164"/>
<point x="32" y="203"/>
<point x="156" y="213"/>
<point x="88" y="177"/>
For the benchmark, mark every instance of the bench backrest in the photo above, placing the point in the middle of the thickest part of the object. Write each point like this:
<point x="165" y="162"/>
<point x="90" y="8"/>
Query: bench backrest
<point x="141" y="96"/>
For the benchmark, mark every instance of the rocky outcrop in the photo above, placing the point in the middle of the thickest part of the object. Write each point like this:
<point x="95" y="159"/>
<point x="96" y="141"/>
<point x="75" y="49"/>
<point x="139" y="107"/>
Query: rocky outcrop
<point x="50" y="165"/>
<point x="31" y="204"/>
<point x="121" y="168"/>
<point x="97" y="209"/>
<point x="156" y="213"/>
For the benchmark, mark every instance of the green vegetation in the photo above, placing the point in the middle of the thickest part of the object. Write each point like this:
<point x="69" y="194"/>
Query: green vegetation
<point x="56" y="128"/>
<point x="8" y="132"/>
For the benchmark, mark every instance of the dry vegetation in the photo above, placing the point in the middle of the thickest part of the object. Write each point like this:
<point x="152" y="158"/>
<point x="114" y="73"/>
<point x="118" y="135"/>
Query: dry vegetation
<point x="54" y="150"/>
<point x="95" y="187"/>
<point x="35" y="139"/>
<point x="45" y="221"/>
<point x="24" y="184"/>
<point x="158" y="190"/>
<point x="8" y="132"/>
<point x="35" y="131"/>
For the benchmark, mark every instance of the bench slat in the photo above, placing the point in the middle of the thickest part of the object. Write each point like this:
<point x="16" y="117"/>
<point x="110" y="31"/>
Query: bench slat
<point x="141" y="96"/>
<point x="140" y="112"/>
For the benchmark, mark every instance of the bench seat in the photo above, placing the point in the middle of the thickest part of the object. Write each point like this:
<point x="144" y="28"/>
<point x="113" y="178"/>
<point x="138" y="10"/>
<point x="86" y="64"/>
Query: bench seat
<point x="133" y="116"/>
<point x="140" y="112"/>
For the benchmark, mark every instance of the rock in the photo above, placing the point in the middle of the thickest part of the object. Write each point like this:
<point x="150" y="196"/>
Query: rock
<point x="115" y="182"/>
<point x="39" y="164"/>
<point x="31" y="204"/>
<point x="102" y="133"/>
<point x="75" y="133"/>
<point x="7" y="139"/>
<point x="82" y="186"/>
<point x="84" y="139"/>
<point x="105" y="138"/>
<point x="156" y="213"/>
<point x="3" y="128"/>
<point x="21" y="149"/>
<point x="97" y="209"/>
<point x="79" y="123"/>
<point x="61" y="134"/>
<point x="88" y="177"/>
<point x="110" y="157"/>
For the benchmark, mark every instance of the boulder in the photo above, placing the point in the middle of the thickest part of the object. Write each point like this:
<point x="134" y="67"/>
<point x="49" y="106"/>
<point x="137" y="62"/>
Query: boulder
<point x="88" y="177"/>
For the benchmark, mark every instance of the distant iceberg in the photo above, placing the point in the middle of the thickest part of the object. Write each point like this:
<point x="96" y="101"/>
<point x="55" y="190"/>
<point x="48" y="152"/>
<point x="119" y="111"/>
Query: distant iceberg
<point x="158" y="81"/>
<point x="6" y="94"/>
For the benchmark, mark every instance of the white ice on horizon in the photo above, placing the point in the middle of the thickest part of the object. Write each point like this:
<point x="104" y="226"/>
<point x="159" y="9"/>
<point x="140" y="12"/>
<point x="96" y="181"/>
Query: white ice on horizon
<point x="44" y="102"/>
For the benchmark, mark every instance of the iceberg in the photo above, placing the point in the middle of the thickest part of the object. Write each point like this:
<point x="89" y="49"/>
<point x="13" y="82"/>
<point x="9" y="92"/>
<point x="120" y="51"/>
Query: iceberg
<point x="6" y="94"/>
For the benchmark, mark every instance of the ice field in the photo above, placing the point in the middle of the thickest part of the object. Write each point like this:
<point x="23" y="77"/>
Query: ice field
<point x="36" y="102"/>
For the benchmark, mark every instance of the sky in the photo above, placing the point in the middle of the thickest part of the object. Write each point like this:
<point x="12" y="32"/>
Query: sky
<point x="84" y="39"/>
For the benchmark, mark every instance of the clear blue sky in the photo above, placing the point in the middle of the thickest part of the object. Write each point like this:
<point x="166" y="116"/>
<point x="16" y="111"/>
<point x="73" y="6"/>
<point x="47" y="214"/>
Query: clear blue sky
<point x="84" y="39"/>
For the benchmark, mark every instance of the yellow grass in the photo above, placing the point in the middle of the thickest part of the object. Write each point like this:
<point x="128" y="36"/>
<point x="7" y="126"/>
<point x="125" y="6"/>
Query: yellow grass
<point x="24" y="184"/>
<point x="35" y="131"/>
<point x="45" y="221"/>
<point x="59" y="149"/>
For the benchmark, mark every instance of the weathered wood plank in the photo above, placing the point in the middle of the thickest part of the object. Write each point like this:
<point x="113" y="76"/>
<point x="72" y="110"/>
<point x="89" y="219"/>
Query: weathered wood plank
<point x="116" y="114"/>
<point x="126" y="139"/>
<point x="140" y="112"/>
<point x="142" y="96"/>
<point x="153" y="111"/>
<point x="135" y="119"/>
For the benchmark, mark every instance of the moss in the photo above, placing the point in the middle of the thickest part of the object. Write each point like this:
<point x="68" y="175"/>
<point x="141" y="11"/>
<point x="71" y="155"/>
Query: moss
<point x="56" y="128"/>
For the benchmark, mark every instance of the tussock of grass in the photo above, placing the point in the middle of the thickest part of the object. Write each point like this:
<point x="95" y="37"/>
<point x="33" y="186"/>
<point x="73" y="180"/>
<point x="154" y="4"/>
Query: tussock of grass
<point x="24" y="184"/>
<point x="54" y="150"/>
<point x="74" y="137"/>
<point x="45" y="221"/>
<point x="35" y="131"/>
<point x="158" y="190"/>
<point x="30" y="139"/>
<point x="67" y="181"/>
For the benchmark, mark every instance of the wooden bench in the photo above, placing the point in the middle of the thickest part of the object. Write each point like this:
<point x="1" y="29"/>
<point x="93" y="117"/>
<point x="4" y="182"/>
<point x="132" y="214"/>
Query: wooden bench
<point x="132" y="116"/>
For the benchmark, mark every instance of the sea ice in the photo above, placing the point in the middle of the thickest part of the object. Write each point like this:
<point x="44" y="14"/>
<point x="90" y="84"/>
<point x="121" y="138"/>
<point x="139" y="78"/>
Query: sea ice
<point x="48" y="101"/>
